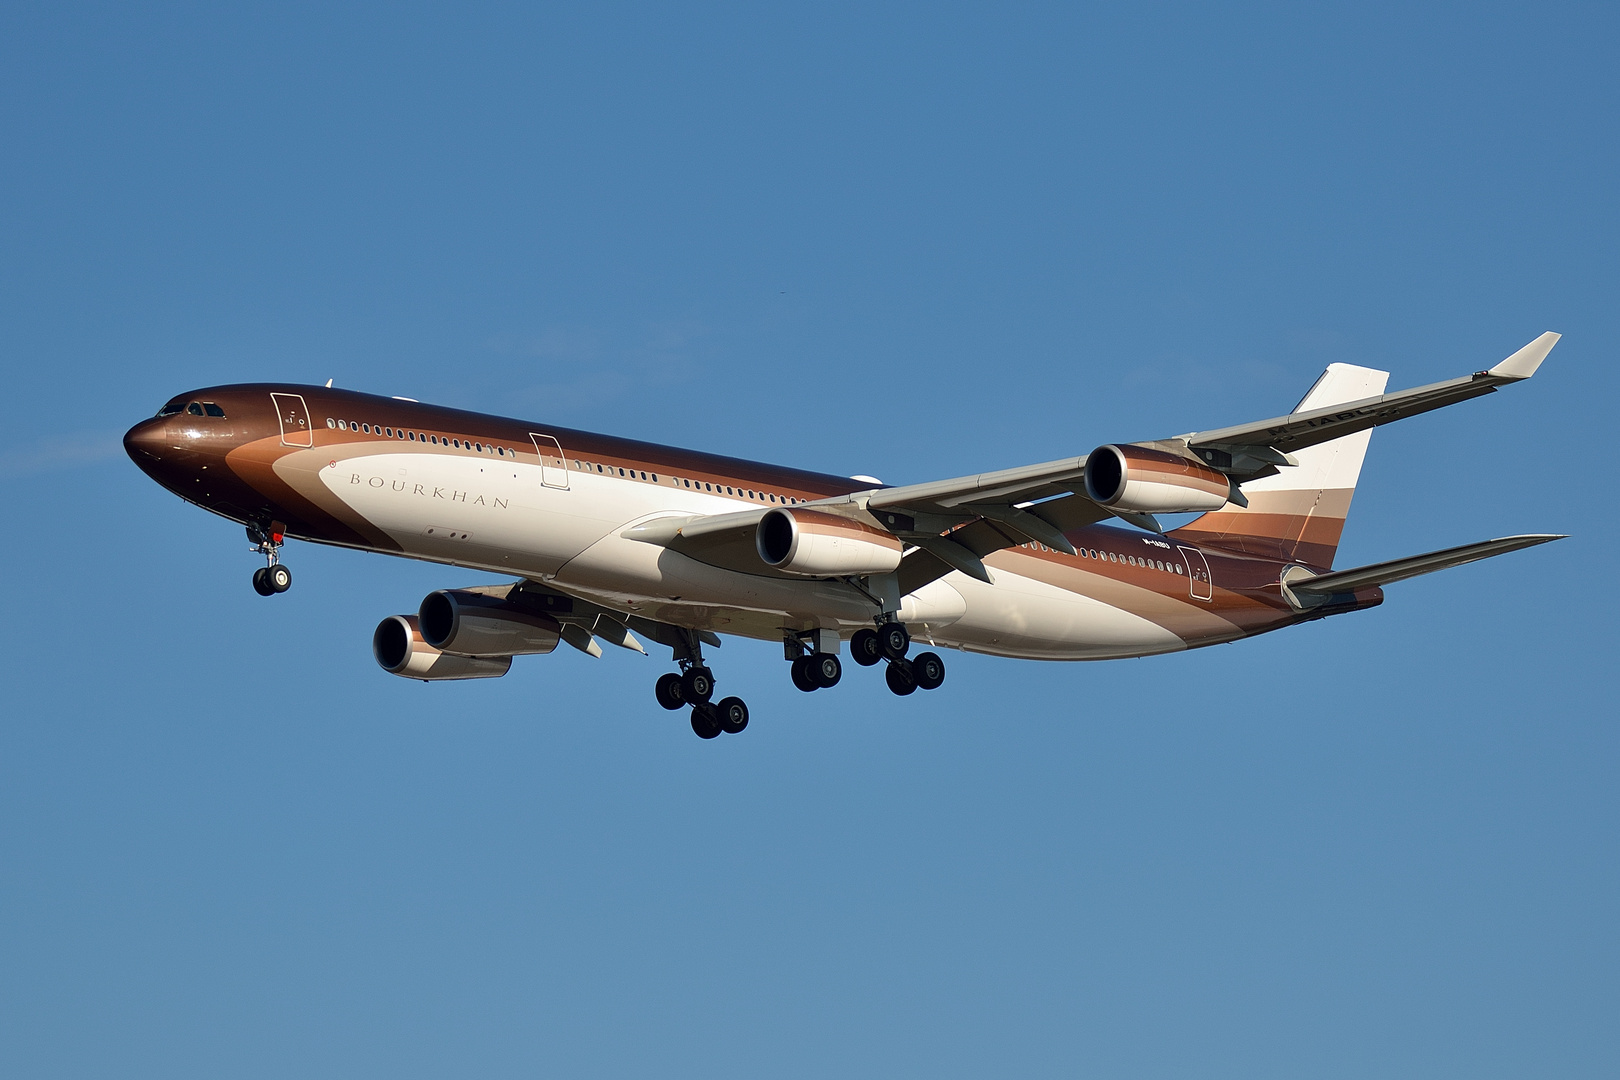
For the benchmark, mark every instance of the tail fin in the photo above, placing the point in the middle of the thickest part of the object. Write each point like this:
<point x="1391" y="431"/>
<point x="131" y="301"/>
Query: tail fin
<point x="1298" y="515"/>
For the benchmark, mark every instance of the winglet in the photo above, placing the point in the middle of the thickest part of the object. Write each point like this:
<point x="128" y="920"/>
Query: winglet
<point x="1523" y="364"/>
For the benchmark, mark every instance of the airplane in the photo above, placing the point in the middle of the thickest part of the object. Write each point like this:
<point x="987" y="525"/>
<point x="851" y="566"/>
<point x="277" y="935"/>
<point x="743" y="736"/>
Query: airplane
<point x="612" y="540"/>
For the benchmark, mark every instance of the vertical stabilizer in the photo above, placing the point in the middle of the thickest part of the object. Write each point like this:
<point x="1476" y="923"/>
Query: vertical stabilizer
<point x="1298" y="515"/>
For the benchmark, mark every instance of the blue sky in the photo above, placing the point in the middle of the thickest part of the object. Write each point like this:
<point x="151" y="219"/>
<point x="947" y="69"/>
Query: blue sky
<point x="907" y="241"/>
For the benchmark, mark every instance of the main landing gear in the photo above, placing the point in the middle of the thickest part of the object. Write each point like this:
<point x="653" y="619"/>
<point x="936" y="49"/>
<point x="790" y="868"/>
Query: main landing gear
<point x="815" y="666"/>
<point x="890" y="642"/>
<point x="693" y="686"/>
<point x="273" y="577"/>
<point x="814" y="663"/>
<point x="817" y="671"/>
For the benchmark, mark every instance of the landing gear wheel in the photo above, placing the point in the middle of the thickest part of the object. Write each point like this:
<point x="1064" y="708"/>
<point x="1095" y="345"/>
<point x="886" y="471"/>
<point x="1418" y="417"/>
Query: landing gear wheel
<point x="278" y="577"/>
<point x="928" y="670"/>
<point x="697" y="685"/>
<point x="261" y="586"/>
<point x="733" y="715"/>
<point x="864" y="648"/>
<point x="705" y="722"/>
<point x="900" y="678"/>
<point x="825" y="670"/>
<point x="893" y="641"/>
<point x="668" y="690"/>
<point x="802" y="677"/>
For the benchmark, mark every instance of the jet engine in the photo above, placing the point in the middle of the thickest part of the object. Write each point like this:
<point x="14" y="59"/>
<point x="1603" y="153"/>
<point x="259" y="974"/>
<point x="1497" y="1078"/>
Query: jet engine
<point x="823" y="545"/>
<point x="469" y="623"/>
<point x="400" y="650"/>
<point x="1140" y="480"/>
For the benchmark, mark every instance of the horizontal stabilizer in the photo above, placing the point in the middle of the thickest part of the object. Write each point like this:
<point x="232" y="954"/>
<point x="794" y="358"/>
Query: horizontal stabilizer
<point x="1342" y="581"/>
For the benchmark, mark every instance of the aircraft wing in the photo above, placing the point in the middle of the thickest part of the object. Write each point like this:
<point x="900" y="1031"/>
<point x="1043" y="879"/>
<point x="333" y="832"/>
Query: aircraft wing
<point x="1250" y="448"/>
<point x="953" y="524"/>
<point x="948" y="524"/>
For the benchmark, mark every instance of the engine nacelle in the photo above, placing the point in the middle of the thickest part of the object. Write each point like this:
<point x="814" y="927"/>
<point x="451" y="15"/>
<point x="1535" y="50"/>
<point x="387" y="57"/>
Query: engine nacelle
<point x="1143" y="481"/>
<point x="398" y="646"/>
<point x="823" y="545"/>
<point x="469" y="623"/>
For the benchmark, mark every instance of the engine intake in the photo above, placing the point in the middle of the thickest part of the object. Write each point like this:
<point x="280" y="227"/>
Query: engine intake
<point x="1143" y="481"/>
<point x="470" y="623"/>
<point x="823" y="545"/>
<point x="398" y="646"/>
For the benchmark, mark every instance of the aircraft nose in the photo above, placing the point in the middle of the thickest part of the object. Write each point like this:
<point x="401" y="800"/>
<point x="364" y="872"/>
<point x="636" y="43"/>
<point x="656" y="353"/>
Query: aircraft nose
<point x="145" y="442"/>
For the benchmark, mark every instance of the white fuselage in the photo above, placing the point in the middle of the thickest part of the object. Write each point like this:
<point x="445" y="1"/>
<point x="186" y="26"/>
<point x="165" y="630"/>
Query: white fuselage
<point x="512" y="516"/>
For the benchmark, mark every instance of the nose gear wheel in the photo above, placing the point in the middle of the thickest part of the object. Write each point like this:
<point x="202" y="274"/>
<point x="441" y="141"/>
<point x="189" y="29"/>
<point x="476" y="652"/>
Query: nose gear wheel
<point x="272" y="577"/>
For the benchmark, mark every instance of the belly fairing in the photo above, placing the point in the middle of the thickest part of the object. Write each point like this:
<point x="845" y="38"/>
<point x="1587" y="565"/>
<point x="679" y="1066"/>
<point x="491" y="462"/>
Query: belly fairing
<point x="1022" y="617"/>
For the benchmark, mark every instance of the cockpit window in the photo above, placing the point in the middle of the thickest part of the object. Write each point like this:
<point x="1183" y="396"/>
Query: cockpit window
<point x="213" y="410"/>
<point x="194" y="409"/>
<point x="172" y="408"/>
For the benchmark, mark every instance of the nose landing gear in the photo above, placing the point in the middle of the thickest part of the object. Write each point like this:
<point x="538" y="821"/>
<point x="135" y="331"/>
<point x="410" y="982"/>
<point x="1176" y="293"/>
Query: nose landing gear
<point x="273" y="577"/>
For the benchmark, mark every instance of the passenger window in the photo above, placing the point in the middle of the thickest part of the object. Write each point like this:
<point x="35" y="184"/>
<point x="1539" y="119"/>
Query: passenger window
<point x="194" y="409"/>
<point x="330" y="422"/>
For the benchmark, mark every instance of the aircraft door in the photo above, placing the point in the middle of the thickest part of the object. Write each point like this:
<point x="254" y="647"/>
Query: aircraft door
<point x="553" y="466"/>
<point x="1203" y="587"/>
<point x="294" y="419"/>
